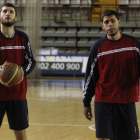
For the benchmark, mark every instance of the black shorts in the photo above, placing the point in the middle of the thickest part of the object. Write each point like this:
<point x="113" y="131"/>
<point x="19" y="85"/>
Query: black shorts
<point x="17" y="114"/>
<point x="116" y="121"/>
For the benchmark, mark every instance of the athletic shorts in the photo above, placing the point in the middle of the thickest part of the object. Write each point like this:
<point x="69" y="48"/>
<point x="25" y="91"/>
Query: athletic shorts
<point x="17" y="114"/>
<point x="116" y="121"/>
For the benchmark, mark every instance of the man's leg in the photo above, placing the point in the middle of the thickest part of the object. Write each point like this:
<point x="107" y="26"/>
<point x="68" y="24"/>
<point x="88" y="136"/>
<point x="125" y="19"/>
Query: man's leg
<point x="2" y="111"/>
<point x="20" y="134"/>
<point x="17" y="113"/>
<point x="103" y="120"/>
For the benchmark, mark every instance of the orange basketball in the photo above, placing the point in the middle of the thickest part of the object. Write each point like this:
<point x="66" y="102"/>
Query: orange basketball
<point x="10" y="74"/>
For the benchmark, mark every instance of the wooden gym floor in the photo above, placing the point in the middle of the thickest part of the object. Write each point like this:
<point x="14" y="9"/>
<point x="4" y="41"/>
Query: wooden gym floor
<point x="56" y="111"/>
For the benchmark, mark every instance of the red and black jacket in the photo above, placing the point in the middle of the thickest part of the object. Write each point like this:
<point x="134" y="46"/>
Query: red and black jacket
<point x="113" y="70"/>
<point x="16" y="50"/>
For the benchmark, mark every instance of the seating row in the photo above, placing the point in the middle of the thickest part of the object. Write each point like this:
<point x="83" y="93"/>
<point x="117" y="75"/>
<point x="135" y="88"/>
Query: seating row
<point x="71" y="2"/>
<point x="13" y="1"/>
<point x="87" y="30"/>
<point x="67" y="2"/>
<point x="129" y="2"/>
<point x="61" y="2"/>
<point x="70" y="42"/>
<point x="73" y="51"/>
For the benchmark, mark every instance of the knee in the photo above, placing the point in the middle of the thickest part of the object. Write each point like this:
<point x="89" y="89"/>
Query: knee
<point x="20" y="134"/>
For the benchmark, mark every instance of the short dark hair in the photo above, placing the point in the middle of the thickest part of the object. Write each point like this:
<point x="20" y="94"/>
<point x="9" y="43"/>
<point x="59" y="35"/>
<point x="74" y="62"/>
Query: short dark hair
<point x="110" y="13"/>
<point x="10" y="5"/>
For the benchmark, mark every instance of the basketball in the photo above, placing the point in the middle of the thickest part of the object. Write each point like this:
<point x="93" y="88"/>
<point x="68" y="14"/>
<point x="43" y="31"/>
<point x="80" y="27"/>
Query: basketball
<point x="10" y="74"/>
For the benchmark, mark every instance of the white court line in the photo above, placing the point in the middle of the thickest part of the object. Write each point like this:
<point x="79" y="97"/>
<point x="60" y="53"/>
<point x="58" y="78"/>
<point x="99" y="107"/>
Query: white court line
<point x="51" y="124"/>
<point x="91" y="127"/>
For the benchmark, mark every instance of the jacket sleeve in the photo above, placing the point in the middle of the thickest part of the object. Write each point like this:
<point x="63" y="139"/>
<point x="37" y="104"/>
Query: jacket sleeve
<point x="29" y="61"/>
<point x="138" y="54"/>
<point x="91" y="76"/>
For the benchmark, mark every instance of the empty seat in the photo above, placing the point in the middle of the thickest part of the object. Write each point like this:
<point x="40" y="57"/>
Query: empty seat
<point x="122" y="11"/>
<point x="11" y="1"/>
<point x="72" y="52"/>
<point x="83" y="30"/>
<point x="86" y="2"/>
<point x="92" y="40"/>
<point x="53" y="1"/>
<point x="136" y="31"/>
<point x="61" y="30"/>
<point x="102" y="31"/>
<point x="83" y="52"/>
<point x="50" y="30"/>
<point x="75" y="3"/>
<point x="60" y="40"/>
<point x="23" y="1"/>
<point x="50" y="40"/>
<point x="124" y="2"/>
<point x="61" y="51"/>
<point x="44" y="1"/>
<point x="71" y="40"/>
<point x="134" y="3"/>
<point x="64" y="2"/>
<point x="83" y="40"/>
<point x="127" y="30"/>
<point x="94" y="30"/>
<point x="72" y="30"/>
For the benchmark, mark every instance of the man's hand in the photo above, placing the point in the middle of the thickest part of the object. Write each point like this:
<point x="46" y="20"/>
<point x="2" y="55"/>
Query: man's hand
<point x="0" y="67"/>
<point x="22" y="73"/>
<point x="88" y="113"/>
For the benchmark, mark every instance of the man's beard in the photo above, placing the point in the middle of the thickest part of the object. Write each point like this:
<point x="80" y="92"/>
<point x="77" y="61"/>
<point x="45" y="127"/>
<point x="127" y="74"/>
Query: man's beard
<point x="114" y="33"/>
<point x="8" y="24"/>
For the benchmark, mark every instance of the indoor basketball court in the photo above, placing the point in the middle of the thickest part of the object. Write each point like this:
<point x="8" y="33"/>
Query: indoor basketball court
<point x="56" y="111"/>
<point x="61" y="33"/>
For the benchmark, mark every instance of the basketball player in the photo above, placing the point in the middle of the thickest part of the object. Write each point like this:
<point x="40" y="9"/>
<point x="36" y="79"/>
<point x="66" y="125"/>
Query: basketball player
<point x="112" y="75"/>
<point x="14" y="47"/>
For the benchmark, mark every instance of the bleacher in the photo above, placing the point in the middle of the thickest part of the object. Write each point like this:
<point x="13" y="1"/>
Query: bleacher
<point x="70" y="27"/>
<point x="74" y="25"/>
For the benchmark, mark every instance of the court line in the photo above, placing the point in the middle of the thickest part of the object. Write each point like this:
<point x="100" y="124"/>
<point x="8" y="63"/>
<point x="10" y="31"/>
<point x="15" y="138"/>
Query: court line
<point x="91" y="127"/>
<point x="51" y="124"/>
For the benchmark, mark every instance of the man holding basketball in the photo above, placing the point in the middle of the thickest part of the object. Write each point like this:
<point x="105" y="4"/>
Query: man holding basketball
<point x="14" y="47"/>
<point x="112" y="75"/>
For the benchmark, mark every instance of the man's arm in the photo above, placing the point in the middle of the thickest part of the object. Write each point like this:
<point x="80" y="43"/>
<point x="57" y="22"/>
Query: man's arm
<point x="88" y="113"/>
<point x="91" y="77"/>
<point x="29" y="61"/>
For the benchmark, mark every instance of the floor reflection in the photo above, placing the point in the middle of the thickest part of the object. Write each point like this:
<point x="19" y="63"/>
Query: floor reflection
<point x="54" y="88"/>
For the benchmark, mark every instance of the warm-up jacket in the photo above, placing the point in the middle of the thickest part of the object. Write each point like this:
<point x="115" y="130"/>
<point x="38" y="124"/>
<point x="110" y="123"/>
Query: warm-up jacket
<point x="113" y="70"/>
<point x="16" y="50"/>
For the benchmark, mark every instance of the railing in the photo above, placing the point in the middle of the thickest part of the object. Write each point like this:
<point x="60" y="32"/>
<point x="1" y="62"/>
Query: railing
<point x="84" y="12"/>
